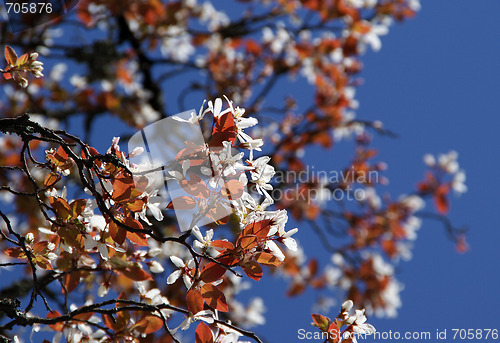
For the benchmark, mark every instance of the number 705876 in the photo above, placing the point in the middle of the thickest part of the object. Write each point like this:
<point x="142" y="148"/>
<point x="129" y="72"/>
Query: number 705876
<point x="475" y="334"/>
<point x="25" y="7"/>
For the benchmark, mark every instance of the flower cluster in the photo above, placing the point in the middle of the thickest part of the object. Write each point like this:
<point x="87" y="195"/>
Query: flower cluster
<point x="353" y="325"/>
<point x="16" y="66"/>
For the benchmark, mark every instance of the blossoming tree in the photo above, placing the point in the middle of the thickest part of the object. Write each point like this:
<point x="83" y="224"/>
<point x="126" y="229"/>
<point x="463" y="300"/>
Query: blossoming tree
<point x="100" y="248"/>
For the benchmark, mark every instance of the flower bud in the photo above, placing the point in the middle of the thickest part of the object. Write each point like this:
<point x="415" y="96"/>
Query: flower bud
<point x="347" y="305"/>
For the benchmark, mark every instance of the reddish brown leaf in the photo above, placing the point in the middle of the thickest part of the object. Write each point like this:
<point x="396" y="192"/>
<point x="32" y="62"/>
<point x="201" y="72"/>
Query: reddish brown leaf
<point x="203" y="334"/>
<point x="233" y="189"/>
<point x="77" y="207"/>
<point x="43" y="263"/>
<point x="313" y="267"/>
<point x="212" y="272"/>
<point x="224" y="130"/>
<point x="229" y="260"/>
<point x="195" y="186"/>
<point x="259" y="229"/>
<point x="182" y="203"/>
<point x="122" y="187"/>
<point x="214" y="297"/>
<point x="149" y="324"/>
<point x="333" y="333"/>
<point x="321" y="321"/>
<point x="194" y="301"/>
<point x="92" y="152"/>
<point x="247" y="242"/>
<point x="71" y="280"/>
<point x="389" y="247"/>
<point x="109" y="322"/>
<point x="57" y="326"/>
<point x="15" y="252"/>
<point x="441" y="199"/>
<point x="51" y="179"/>
<point x="138" y="238"/>
<point x="61" y="207"/>
<point x="253" y="270"/>
<point x="222" y="245"/>
<point x="136" y="273"/>
<point x="10" y="55"/>
<point x="117" y="233"/>
<point x="40" y="246"/>
<point x="296" y="289"/>
<point x="267" y="259"/>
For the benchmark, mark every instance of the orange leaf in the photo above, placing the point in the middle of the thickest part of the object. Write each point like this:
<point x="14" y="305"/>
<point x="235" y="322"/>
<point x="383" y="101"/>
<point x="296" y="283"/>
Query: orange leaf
<point x="10" y="55"/>
<point x="61" y="155"/>
<point x="260" y="228"/>
<point x="203" y="334"/>
<point x="40" y="246"/>
<point x="182" y="203"/>
<point x="247" y="242"/>
<point x="122" y="187"/>
<point x="136" y="273"/>
<point x="51" y="179"/>
<point x="224" y="130"/>
<point x="71" y="281"/>
<point x="268" y="259"/>
<point x="63" y="211"/>
<point x="222" y="245"/>
<point x="194" y="301"/>
<point x="149" y="324"/>
<point x="15" y="252"/>
<point x="43" y="263"/>
<point x="212" y="272"/>
<point x="136" y="205"/>
<point x="117" y="233"/>
<point x="138" y="238"/>
<point x="22" y="60"/>
<point x="296" y="289"/>
<point x="195" y="186"/>
<point x="321" y="321"/>
<point x="441" y="200"/>
<point x="214" y="297"/>
<point x="77" y="207"/>
<point x="253" y="270"/>
<point x="333" y="333"/>
<point x="57" y="326"/>
<point x="109" y="322"/>
<point x="233" y="189"/>
<point x="253" y="47"/>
